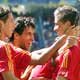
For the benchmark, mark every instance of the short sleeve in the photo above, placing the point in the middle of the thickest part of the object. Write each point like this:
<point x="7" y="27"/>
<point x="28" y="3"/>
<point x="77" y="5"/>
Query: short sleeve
<point x="21" y="61"/>
<point x="3" y="60"/>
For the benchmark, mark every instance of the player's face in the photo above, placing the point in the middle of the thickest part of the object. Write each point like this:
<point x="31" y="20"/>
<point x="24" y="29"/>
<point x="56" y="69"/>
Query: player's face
<point x="9" y="26"/>
<point x="60" y="27"/>
<point x="27" y="38"/>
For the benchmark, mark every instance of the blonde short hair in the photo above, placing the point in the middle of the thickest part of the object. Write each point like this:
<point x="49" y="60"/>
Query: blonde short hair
<point x="65" y="13"/>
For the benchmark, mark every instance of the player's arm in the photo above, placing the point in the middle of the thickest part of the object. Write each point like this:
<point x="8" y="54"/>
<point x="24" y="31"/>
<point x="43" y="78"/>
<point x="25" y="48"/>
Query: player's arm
<point x="48" y="52"/>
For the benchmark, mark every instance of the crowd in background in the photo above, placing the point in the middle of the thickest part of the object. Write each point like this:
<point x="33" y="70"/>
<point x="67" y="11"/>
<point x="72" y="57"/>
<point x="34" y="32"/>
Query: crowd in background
<point x="43" y="15"/>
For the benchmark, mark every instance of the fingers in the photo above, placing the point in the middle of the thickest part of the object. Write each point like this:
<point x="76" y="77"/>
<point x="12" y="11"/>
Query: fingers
<point x="71" y="40"/>
<point x="63" y="38"/>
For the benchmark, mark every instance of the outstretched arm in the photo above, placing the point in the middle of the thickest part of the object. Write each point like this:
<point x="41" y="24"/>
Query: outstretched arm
<point x="47" y="53"/>
<point x="42" y="55"/>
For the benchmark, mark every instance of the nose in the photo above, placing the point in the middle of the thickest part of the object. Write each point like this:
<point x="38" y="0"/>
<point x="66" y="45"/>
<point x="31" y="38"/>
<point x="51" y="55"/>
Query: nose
<point x="32" y="38"/>
<point x="55" y="28"/>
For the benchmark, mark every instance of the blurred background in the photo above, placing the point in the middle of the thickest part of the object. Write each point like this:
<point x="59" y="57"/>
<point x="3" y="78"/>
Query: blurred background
<point x="42" y="11"/>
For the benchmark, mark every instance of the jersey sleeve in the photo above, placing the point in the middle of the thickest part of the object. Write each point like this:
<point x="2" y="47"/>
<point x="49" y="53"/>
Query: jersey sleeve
<point x="21" y="61"/>
<point x="3" y="60"/>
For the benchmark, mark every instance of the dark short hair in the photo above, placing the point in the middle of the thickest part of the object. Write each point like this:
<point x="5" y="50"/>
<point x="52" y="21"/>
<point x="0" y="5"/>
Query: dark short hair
<point x="21" y="24"/>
